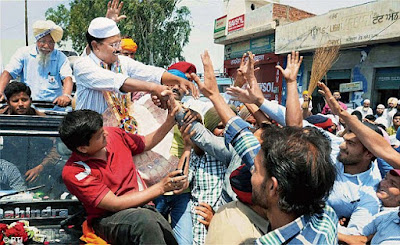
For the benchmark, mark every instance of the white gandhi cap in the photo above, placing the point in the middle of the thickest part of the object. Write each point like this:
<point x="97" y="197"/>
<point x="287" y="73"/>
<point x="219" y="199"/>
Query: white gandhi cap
<point x="102" y="27"/>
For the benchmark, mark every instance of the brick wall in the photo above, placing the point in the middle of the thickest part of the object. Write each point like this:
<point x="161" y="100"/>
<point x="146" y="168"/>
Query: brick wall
<point x="289" y="14"/>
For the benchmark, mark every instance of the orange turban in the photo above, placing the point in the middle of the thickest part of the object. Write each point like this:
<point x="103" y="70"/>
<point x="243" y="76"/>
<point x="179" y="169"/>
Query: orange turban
<point x="128" y="44"/>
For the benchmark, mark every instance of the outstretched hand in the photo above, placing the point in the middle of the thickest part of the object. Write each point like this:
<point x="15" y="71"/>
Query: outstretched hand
<point x="252" y="94"/>
<point x="161" y="95"/>
<point x="241" y="78"/>
<point x="209" y="88"/>
<point x="114" y="9"/>
<point x="292" y="67"/>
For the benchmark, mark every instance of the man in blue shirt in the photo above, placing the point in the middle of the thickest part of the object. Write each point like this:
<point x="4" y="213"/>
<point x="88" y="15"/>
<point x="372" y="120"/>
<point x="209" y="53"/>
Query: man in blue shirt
<point x="44" y="69"/>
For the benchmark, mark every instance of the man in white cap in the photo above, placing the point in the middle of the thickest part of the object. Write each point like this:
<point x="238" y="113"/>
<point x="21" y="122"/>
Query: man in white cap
<point x="365" y="109"/>
<point x="44" y="69"/>
<point x="104" y="70"/>
<point x="381" y="117"/>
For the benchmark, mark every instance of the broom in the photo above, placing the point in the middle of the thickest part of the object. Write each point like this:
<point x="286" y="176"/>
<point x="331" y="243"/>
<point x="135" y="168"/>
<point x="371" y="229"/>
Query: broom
<point x="323" y="60"/>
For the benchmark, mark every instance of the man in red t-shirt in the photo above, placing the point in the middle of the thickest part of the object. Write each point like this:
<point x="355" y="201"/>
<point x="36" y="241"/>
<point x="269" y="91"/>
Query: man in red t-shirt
<point x="102" y="175"/>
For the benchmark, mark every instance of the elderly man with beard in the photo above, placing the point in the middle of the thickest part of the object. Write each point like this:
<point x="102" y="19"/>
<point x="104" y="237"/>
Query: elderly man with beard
<point x="44" y="69"/>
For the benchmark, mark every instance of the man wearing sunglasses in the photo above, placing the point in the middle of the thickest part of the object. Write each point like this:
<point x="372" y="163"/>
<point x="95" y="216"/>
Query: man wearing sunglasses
<point x="44" y="69"/>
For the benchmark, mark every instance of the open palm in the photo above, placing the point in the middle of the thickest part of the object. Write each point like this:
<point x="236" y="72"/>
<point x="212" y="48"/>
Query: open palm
<point x="292" y="67"/>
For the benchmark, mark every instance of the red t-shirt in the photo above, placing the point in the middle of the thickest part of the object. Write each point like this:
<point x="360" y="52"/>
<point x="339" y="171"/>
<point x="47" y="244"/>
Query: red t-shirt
<point x="90" y="179"/>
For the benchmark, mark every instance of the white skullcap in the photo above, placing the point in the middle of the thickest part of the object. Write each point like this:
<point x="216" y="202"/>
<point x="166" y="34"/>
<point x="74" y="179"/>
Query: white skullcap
<point x="380" y="106"/>
<point x="367" y="101"/>
<point x="102" y="27"/>
<point x="42" y="28"/>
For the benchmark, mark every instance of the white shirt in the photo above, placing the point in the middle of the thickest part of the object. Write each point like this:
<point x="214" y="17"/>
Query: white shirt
<point x="92" y="79"/>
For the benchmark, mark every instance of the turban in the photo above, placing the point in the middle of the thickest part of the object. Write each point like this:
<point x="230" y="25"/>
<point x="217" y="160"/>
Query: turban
<point x="212" y="119"/>
<point x="128" y="44"/>
<point x="184" y="67"/>
<point x="320" y="121"/>
<point x="240" y="180"/>
<point x="102" y="27"/>
<point x="42" y="28"/>
<point x="178" y="73"/>
<point x="244" y="113"/>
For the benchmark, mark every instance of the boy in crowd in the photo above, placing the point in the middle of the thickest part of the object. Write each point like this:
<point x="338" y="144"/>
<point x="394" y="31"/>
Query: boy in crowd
<point x="103" y="176"/>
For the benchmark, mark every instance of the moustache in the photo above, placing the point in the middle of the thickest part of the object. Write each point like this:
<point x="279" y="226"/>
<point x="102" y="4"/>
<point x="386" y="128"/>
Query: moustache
<point x="175" y="90"/>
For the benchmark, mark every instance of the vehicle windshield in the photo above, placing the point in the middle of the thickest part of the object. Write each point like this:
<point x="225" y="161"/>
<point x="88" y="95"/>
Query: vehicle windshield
<point x="30" y="157"/>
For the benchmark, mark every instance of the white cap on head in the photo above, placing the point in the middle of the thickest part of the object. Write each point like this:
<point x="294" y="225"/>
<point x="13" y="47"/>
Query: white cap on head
<point x="102" y="27"/>
<point x="42" y="28"/>
<point x="380" y="106"/>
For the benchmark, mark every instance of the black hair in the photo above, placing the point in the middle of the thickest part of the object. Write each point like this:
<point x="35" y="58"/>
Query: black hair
<point x="90" y="38"/>
<point x="371" y="117"/>
<point x="15" y="88"/>
<point x="78" y="127"/>
<point x="397" y="114"/>
<point x="299" y="158"/>
<point x="358" y="115"/>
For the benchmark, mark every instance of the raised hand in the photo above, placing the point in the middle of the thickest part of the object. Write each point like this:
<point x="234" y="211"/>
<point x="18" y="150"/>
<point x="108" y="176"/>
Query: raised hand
<point x="292" y="67"/>
<point x="240" y="79"/>
<point x="252" y="94"/>
<point x="114" y="9"/>
<point x="209" y="87"/>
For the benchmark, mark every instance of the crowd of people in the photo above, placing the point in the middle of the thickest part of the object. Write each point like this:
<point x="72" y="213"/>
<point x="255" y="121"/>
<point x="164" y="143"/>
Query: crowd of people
<point x="260" y="173"/>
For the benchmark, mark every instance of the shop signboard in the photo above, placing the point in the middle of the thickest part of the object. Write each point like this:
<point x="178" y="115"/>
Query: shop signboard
<point x="236" y="23"/>
<point x="362" y="24"/>
<point x="220" y="27"/>
<point x="350" y="87"/>
<point x="265" y="44"/>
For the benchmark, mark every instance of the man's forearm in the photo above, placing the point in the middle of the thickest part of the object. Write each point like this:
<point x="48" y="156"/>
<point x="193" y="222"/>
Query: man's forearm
<point x="154" y="138"/>
<point x="294" y="115"/>
<point x="114" y="203"/>
<point x="67" y="85"/>
<point x="223" y="109"/>
<point x="374" y="142"/>
<point x="170" y="79"/>
<point x="4" y="80"/>
<point x="134" y="85"/>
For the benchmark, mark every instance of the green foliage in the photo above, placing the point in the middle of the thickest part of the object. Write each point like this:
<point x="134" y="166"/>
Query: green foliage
<point x="159" y="27"/>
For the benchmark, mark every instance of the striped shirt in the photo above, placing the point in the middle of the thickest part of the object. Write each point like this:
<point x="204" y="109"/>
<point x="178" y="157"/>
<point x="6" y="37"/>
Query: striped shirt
<point x="320" y="228"/>
<point x="92" y="80"/>
<point x="246" y="145"/>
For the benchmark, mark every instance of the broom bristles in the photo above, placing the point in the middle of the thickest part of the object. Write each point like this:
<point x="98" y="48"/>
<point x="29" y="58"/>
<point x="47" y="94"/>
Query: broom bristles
<point x="323" y="60"/>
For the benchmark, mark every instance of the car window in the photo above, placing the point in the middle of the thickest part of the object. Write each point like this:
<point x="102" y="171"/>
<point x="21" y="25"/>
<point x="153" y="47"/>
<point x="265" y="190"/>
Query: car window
<point x="32" y="156"/>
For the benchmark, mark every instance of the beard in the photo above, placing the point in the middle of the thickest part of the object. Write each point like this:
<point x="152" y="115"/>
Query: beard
<point x="348" y="160"/>
<point x="43" y="59"/>
<point x="258" y="196"/>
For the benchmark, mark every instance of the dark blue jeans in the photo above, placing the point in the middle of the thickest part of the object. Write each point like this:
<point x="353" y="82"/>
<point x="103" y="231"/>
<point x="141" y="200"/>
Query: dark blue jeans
<point x="142" y="225"/>
<point x="178" y="207"/>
